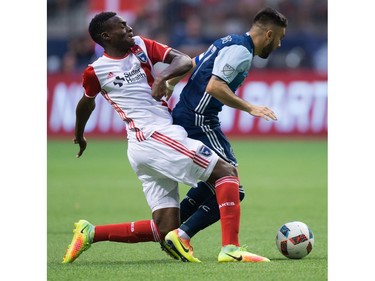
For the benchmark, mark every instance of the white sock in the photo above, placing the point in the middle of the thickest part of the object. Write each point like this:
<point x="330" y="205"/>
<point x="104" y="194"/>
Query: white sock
<point x="183" y="234"/>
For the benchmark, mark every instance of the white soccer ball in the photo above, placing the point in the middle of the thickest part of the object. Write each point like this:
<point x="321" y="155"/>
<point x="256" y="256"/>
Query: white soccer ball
<point x="295" y="240"/>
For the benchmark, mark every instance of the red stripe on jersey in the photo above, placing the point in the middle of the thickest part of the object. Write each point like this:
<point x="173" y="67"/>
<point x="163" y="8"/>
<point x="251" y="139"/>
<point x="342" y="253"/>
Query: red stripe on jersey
<point x="150" y="78"/>
<point x="138" y="133"/>
<point x="166" y="53"/>
<point x="156" y="51"/>
<point x="90" y="82"/>
<point x="164" y="103"/>
<point x="145" y="64"/>
<point x="181" y="148"/>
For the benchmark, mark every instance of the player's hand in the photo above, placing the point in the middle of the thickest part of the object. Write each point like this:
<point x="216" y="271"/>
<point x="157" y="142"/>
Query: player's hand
<point x="263" y="112"/>
<point x="82" y="145"/>
<point x="158" y="89"/>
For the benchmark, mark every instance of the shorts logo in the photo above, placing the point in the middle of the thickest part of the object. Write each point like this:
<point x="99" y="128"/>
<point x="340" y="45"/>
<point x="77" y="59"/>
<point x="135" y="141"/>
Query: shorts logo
<point x="228" y="70"/>
<point x="204" y="150"/>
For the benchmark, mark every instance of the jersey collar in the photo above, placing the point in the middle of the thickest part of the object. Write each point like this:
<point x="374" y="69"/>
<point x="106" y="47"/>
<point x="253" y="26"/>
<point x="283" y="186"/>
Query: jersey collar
<point x="250" y="42"/>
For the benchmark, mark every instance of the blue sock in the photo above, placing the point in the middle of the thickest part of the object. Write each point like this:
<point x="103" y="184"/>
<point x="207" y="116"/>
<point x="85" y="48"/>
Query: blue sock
<point x="194" y="198"/>
<point x="198" y="212"/>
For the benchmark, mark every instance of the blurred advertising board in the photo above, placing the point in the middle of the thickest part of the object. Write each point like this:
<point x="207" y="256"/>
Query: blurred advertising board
<point x="299" y="99"/>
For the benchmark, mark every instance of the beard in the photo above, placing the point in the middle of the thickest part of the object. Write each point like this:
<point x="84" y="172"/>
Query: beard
<point x="267" y="50"/>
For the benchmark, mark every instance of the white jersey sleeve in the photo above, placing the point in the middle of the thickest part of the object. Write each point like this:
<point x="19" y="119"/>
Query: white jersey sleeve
<point x="230" y="61"/>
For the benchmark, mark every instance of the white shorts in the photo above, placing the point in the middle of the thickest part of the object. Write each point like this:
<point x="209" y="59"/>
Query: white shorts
<point x="167" y="158"/>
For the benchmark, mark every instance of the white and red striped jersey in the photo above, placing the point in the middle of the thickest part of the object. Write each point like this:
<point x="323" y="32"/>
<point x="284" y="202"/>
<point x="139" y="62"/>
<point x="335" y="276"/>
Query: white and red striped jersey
<point x="126" y="84"/>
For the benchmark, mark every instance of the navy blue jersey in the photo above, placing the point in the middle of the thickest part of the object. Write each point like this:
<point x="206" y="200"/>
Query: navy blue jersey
<point x="228" y="58"/>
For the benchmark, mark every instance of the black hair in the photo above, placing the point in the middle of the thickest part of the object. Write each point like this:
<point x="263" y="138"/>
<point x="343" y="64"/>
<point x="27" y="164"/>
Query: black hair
<point x="270" y="16"/>
<point x="96" y="26"/>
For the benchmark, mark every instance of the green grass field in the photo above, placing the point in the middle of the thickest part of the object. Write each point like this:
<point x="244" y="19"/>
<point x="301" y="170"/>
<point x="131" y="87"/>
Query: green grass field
<point x="284" y="181"/>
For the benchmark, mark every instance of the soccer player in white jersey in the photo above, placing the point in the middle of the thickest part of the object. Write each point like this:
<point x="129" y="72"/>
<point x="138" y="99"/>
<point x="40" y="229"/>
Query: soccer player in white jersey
<point x="217" y="74"/>
<point x="160" y="153"/>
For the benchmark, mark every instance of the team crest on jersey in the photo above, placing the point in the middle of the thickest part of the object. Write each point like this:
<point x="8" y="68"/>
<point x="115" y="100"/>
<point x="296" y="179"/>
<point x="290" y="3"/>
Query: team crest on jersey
<point x="142" y="56"/>
<point x="139" y="53"/>
<point x="228" y="70"/>
<point x="204" y="150"/>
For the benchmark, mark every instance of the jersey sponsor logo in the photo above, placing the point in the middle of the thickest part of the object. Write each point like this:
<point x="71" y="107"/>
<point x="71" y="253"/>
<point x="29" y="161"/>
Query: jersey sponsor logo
<point x="226" y="39"/>
<point x="204" y="150"/>
<point x="228" y="70"/>
<point x="130" y="77"/>
<point x="118" y="81"/>
<point x="134" y="75"/>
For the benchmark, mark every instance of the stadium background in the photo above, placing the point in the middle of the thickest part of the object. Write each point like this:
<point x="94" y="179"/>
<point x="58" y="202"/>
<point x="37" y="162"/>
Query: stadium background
<point x="292" y="81"/>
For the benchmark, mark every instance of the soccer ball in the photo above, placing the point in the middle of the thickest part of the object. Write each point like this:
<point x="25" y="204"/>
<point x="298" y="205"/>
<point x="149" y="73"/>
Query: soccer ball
<point x="295" y="240"/>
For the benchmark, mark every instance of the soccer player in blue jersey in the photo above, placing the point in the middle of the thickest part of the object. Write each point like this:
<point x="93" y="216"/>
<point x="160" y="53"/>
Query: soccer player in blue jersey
<point x="216" y="75"/>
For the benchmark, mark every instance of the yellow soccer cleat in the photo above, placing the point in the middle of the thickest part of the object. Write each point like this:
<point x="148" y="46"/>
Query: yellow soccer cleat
<point x="232" y="253"/>
<point x="165" y="247"/>
<point x="180" y="246"/>
<point x="82" y="240"/>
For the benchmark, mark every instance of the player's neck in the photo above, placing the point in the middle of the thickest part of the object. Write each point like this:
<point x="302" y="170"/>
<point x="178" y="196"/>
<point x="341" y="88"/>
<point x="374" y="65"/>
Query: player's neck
<point x="256" y="41"/>
<point x="116" y="53"/>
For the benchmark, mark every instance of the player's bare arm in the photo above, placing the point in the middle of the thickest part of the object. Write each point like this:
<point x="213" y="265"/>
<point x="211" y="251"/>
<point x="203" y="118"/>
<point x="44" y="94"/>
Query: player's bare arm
<point x="179" y="64"/>
<point x="171" y="83"/>
<point x="83" y="111"/>
<point x="220" y="90"/>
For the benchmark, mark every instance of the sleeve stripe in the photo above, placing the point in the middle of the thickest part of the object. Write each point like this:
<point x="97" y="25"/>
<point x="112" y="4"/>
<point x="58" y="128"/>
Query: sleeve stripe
<point x="86" y="95"/>
<point x="166" y="53"/>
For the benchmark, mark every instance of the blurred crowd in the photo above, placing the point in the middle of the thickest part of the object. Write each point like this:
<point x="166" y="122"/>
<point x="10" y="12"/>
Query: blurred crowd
<point x="189" y="26"/>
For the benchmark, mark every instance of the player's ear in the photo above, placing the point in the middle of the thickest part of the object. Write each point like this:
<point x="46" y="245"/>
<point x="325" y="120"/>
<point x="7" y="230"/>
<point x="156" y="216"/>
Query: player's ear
<point x="104" y="36"/>
<point x="269" y="34"/>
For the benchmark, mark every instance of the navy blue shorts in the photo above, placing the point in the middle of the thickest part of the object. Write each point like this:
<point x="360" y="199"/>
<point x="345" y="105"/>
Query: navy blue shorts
<point x="214" y="139"/>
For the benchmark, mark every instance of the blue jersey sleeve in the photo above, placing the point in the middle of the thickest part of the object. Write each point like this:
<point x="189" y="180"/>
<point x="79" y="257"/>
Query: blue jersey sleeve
<point x="231" y="61"/>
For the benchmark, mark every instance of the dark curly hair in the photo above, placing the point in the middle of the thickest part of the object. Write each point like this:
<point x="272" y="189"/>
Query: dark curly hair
<point x="270" y="16"/>
<point x="96" y="26"/>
